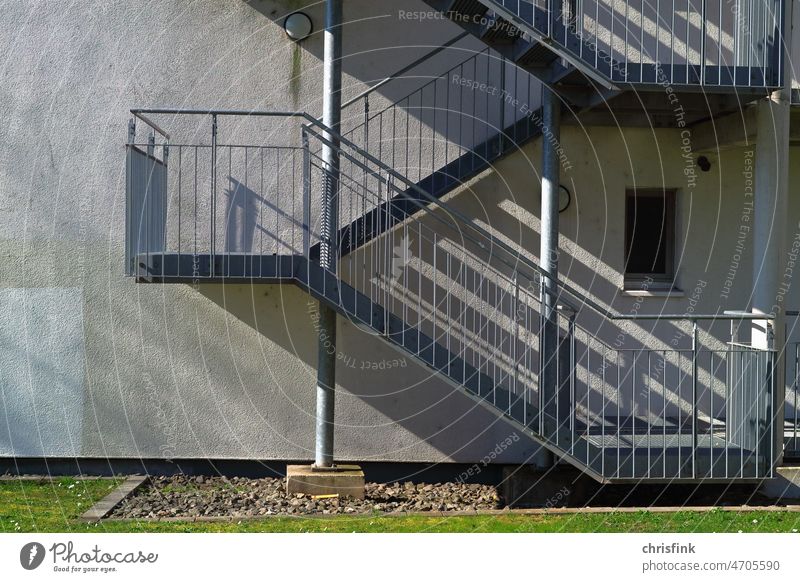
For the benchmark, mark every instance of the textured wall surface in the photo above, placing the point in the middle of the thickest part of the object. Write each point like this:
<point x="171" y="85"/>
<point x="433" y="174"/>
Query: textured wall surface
<point x="94" y="365"/>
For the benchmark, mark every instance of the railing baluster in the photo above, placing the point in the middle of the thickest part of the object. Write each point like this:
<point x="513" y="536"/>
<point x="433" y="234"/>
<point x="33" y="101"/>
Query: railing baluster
<point x="131" y="203"/>
<point x="212" y="266"/>
<point x="603" y="414"/>
<point x="664" y="416"/>
<point x="711" y="412"/>
<point x="306" y="196"/>
<point x="434" y="304"/>
<point x="180" y="203"/>
<point x="796" y="393"/>
<point x="515" y="323"/>
<point x="619" y="412"/>
<point x="648" y="423"/>
<point x="572" y="372"/>
<point x="694" y="399"/>
<point x="633" y="414"/>
<point x="703" y="39"/>
<point x="726" y="390"/>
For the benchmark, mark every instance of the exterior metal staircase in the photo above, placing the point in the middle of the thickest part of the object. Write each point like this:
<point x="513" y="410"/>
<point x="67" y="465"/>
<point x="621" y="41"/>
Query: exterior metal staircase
<point x="451" y="294"/>
<point x="591" y="50"/>
<point x="457" y="296"/>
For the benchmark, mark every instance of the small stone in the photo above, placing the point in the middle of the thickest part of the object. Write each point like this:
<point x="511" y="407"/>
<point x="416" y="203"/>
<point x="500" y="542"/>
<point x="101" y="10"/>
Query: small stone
<point x="180" y="496"/>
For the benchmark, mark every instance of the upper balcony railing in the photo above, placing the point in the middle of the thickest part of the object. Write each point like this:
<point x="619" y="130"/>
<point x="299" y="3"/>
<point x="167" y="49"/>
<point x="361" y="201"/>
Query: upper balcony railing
<point x="711" y="43"/>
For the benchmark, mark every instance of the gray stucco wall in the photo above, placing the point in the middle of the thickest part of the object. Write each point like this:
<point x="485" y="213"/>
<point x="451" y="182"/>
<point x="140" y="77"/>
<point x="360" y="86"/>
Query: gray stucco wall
<point x="94" y="365"/>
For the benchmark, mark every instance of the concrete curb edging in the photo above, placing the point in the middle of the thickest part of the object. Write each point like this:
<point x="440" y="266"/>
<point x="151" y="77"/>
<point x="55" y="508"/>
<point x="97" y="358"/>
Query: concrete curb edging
<point x="106" y="505"/>
<point x="494" y="512"/>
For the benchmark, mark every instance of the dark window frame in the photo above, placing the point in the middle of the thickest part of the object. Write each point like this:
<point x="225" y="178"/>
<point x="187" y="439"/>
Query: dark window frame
<point x="653" y="280"/>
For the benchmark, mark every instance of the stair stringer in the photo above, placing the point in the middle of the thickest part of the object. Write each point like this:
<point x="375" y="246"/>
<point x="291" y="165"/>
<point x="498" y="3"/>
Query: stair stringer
<point x="439" y="184"/>
<point x="348" y="302"/>
<point x="536" y="36"/>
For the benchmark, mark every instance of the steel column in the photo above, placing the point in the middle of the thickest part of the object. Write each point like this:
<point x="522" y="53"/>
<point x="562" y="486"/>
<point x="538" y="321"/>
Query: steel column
<point x="770" y="223"/>
<point x="329" y="224"/>
<point x="548" y="252"/>
<point x="129" y="231"/>
<point x="214" y="128"/>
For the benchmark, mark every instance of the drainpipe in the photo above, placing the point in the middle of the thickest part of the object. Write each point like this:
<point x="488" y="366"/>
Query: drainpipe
<point x="770" y="222"/>
<point x="548" y="253"/>
<point x="326" y="340"/>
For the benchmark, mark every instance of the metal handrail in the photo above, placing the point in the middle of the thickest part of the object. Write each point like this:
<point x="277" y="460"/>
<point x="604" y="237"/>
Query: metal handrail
<point x="494" y="241"/>
<point x="403" y="71"/>
<point x="487" y="51"/>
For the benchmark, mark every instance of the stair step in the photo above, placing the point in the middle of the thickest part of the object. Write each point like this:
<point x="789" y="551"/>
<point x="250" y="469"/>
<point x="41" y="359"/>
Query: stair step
<point x="467" y="9"/>
<point x="533" y="54"/>
<point x="499" y="31"/>
<point x="784" y="486"/>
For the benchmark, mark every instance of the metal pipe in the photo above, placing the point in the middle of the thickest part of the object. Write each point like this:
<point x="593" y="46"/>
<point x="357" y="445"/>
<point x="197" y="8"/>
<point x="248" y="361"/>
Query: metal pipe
<point x="329" y="226"/>
<point x="152" y="124"/>
<point x="306" y="197"/>
<point x="695" y="347"/>
<point x="130" y="249"/>
<point x="213" y="193"/>
<point x="548" y="249"/>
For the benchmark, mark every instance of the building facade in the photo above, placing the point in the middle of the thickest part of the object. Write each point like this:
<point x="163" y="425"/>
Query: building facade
<point x="675" y="163"/>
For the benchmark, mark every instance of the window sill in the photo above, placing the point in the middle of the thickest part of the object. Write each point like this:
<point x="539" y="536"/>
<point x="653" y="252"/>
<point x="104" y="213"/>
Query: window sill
<point x="671" y="293"/>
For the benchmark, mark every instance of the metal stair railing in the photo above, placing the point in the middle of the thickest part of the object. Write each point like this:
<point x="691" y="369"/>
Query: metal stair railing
<point x="445" y="285"/>
<point x="791" y="415"/>
<point x="712" y="43"/>
<point x="467" y="109"/>
<point x="466" y="302"/>
<point x="451" y="127"/>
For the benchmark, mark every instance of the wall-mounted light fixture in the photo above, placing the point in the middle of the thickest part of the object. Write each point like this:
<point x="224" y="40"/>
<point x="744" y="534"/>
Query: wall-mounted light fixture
<point x="298" y="26"/>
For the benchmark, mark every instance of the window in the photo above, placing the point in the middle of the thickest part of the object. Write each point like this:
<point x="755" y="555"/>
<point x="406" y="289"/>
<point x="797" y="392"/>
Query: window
<point x="649" y="239"/>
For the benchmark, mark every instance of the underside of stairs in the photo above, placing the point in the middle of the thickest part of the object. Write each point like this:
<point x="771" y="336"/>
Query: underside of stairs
<point x="555" y="41"/>
<point x="619" y="453"/>
<point x="375" y="222"/>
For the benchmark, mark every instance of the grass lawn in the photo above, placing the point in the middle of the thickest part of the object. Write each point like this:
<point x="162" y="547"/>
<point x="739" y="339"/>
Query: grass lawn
<point x="54" y="506"/>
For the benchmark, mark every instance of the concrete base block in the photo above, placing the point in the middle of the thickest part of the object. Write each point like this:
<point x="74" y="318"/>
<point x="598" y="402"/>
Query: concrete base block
<point x="345" y="480"/>
<point x="785" y="486"/>
<point x="558" y="486"/>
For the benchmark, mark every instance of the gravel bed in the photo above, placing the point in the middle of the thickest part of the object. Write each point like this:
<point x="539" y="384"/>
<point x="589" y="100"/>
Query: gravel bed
<point x="182" y="496"/>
